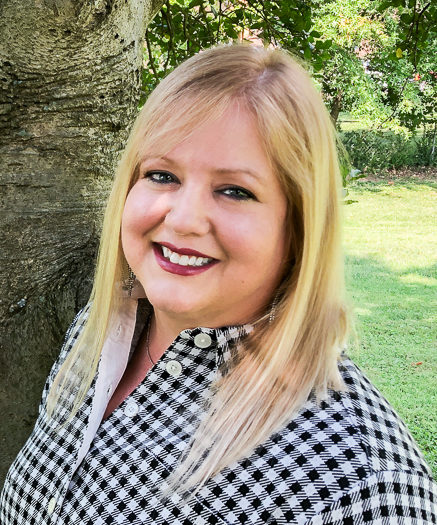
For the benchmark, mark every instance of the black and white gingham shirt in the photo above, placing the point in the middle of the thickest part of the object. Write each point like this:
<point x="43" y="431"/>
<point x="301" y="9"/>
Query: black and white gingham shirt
<point x="349" y="460"/>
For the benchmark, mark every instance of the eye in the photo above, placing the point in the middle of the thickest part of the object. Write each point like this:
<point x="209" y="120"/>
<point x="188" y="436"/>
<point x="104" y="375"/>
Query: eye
<point x="237" y="193"/>
<point x="161" y="177"/>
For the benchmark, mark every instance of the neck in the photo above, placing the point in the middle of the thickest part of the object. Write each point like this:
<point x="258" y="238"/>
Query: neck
<point x="164" y="329"/>
<point x="162" y="334"/>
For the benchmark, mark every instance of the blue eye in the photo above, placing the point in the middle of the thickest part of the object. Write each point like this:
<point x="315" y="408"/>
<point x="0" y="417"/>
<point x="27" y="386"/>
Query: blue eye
<point x="237" y="193"/>
<point x="160" y="177"/>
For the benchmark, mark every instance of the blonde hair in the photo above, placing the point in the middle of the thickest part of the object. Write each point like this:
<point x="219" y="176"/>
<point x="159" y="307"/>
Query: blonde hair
<point x="279" y="365"/>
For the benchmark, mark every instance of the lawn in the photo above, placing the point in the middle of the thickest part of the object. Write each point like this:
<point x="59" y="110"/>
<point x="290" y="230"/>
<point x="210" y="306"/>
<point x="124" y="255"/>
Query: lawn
<point x="391" y="268"/>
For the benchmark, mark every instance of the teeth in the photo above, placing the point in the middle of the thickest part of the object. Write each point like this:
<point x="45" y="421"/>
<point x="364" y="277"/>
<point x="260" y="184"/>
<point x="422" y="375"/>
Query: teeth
<point x="174" y="258"/>
<point x="184" y="260"/>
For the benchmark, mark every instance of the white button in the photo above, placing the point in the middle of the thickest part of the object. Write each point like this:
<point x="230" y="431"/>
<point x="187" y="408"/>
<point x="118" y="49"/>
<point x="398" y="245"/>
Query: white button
<point x="202" y="340"/>
<point x="174" y="368"/>
<point x="131" y="409"/>
<point x="51" y="506"/>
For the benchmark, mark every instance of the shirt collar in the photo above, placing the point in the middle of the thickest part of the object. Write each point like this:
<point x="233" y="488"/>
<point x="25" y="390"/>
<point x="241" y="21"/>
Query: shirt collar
<point x="224" y="339"/>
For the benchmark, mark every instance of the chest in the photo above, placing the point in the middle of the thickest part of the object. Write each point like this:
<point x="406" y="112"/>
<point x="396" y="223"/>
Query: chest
<point x="138" y="367"/>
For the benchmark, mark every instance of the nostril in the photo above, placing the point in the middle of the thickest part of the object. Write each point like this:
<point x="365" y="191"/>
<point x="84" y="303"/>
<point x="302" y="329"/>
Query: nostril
<point x="187" y="220"/>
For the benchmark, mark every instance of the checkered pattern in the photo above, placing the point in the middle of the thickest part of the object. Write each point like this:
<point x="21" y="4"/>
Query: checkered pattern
<point x="349" y="459"/>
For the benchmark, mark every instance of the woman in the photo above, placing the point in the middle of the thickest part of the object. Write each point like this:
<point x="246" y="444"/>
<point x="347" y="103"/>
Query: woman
<point x="212" y="388"/>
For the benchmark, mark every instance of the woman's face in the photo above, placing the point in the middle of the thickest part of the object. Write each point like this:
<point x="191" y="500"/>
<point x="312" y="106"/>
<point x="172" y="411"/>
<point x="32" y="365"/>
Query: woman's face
<point x="204" y="226"/>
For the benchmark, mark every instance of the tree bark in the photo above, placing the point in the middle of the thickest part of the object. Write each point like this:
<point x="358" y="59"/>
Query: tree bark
<point x="336" y="106"/>
<point x="70" y="74"/>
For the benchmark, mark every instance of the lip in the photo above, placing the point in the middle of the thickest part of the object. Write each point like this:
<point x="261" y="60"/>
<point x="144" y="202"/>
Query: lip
<point x="184" y="251"/>
<point x="177" y="269"/>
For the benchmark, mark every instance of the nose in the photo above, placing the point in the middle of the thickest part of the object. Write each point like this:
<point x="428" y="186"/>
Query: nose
<point x="188" y="213"/>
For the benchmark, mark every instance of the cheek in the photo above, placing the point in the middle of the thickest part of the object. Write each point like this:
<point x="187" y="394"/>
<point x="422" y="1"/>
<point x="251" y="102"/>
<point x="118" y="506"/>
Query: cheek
<point x="258" y="241"/>
<point x="134" y="224"/>
<point x="138" y="215"/>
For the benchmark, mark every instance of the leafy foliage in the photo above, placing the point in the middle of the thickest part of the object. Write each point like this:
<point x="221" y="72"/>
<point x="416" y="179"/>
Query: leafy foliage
<point x="377" y="150"/>
<point x="373" y="59"/>
<point x="183" y="27"/>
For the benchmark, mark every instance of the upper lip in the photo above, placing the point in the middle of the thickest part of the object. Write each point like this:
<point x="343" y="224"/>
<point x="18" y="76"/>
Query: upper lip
<point x="184" y="251"/>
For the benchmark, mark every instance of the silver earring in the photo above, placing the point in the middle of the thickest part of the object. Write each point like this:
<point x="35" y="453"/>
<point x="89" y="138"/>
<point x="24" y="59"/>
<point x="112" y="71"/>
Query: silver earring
<point x="273" y="308"/>
<point x="130" y="281"/>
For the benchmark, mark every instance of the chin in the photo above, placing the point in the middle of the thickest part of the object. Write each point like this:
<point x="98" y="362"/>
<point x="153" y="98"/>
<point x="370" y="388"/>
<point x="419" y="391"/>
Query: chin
<point x="173" y="306"/>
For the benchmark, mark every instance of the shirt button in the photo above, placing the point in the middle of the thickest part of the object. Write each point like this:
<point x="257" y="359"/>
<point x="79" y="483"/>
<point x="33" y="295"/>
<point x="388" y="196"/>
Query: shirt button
<point x="108" y="390"/>
<point x="131" y="409"/>
<point x="174" y="368"/>
<point x="51" y="506"/>
<point x="202" y="340"/>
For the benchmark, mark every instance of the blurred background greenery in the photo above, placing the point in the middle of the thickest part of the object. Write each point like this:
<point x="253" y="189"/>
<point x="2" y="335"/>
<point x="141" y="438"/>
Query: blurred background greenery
<point x="375" y="63"/>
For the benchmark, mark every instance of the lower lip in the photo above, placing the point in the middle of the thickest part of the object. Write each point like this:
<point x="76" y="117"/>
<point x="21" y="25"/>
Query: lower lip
<point x="170" y="267"/>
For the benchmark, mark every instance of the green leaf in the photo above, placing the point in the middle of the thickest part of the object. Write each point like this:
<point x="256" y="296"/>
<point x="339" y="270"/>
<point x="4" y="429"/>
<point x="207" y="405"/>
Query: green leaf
<point x="195" y="3"/>
<point x="384" y="5"/>
<point x="317" y="65"/>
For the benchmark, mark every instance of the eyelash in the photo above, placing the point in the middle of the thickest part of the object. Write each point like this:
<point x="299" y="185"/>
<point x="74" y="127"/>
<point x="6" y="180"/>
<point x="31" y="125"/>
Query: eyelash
<point x="240" y="194"/>
<point x="149" y="175"/>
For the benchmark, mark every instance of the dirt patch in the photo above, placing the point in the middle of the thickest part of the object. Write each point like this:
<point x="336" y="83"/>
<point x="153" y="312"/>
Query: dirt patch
<point x="411" y="173"/>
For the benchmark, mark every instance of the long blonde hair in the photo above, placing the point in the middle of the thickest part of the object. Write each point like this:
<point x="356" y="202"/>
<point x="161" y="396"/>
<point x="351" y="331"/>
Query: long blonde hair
<point x="280" y="364"/>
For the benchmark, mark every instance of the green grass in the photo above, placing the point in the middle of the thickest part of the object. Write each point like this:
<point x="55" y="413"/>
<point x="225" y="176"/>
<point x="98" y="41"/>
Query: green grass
<point x="352" y="125"/>
<point x="391" y="268"/>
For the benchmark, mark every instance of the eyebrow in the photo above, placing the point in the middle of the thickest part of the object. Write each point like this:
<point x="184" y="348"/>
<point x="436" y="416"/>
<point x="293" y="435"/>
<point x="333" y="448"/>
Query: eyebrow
<point x="218" y="171"/>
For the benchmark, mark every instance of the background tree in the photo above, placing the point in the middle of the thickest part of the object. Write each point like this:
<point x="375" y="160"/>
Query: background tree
<point x="183" y="27"/>
<point x="69" y="87"/>
<point x="377" y="57"/>
<point x="375" y="60"/>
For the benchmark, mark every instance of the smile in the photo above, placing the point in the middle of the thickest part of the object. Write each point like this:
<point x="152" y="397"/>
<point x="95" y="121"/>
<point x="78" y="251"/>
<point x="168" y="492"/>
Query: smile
<point x="189" y="262"/>
<point x="184" y="260"/>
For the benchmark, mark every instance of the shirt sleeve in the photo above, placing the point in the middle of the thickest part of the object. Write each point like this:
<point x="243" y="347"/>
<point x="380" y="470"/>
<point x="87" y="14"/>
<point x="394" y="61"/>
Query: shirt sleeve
<point x="69" y="340"/>
<point x="386" y="497"/>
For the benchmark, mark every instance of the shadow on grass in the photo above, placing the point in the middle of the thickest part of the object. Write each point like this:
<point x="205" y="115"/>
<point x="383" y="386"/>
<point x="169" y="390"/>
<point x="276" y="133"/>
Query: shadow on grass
<point x="382" y="295"/>
<point x="395" y="324"/>
<point x="387" y="182"/>
<point x="420" y="271"/>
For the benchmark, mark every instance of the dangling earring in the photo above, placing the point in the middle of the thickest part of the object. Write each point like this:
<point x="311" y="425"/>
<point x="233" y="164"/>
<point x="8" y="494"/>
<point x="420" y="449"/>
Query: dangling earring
<point x="273" y="308"/>
<point x="130" y="281"/>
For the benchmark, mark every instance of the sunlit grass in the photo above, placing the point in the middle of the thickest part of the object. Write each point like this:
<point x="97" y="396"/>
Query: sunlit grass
<point x="391" y="262"/>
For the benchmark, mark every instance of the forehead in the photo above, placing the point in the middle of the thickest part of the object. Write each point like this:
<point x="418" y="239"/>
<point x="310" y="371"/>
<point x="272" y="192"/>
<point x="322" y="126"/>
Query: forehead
<point x="229" y="141"/>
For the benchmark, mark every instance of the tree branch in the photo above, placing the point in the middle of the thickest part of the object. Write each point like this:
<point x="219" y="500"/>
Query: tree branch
<point x="151" y="59"/>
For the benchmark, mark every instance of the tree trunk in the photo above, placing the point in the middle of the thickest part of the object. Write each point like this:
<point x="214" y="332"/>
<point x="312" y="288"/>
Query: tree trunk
<point x="70" y="75"/>
<point x="336" y="106"/>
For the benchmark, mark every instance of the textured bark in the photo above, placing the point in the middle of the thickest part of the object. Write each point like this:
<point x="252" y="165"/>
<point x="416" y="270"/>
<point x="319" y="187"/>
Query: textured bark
<point x="336" y="106"/>
<point x="69" y="87"/>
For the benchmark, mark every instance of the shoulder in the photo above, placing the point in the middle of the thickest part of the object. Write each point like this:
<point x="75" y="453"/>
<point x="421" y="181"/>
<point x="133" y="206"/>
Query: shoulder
<point x="384" y="436"/>
<point x="388" y="497"/>
<point x="345" y="455"/>
<point x="356" y="427"/>
<point x="70" y="338"/>
<point x="74" y="330"/>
